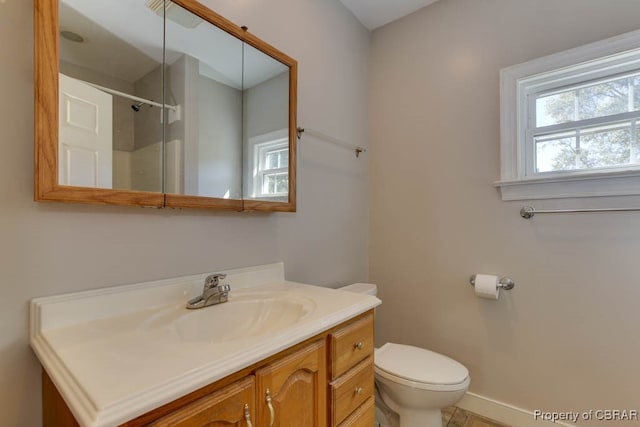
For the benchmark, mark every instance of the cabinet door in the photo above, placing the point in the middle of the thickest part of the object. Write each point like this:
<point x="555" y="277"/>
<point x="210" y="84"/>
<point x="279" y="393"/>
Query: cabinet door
<point x="292" y="390"/>
<point x="230" y="406"/>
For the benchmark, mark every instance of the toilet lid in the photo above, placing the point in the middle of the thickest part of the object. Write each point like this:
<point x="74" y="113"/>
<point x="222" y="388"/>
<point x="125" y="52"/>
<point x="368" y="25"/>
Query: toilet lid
<point x="419" y="365"/>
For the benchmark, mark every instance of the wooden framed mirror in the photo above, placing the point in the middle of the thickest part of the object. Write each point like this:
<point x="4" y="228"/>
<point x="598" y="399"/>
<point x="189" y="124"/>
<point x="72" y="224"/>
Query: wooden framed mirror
<point x="162" y="104"/>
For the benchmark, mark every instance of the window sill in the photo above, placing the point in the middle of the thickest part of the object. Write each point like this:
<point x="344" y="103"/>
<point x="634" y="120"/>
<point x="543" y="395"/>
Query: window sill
<point x="623" y="183"/>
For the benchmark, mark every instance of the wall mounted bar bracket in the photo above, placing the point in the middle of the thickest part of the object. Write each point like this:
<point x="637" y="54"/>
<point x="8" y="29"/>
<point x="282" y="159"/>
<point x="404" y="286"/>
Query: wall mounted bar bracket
<point x="332" y="140"/>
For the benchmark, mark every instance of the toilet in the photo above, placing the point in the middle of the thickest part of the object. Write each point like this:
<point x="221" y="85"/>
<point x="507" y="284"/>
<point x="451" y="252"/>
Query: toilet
<point x="413" y="382"/>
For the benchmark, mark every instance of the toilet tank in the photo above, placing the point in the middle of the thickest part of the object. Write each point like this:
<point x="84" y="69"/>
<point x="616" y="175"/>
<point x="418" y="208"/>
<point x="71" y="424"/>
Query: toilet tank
<point x="361" y="288"/>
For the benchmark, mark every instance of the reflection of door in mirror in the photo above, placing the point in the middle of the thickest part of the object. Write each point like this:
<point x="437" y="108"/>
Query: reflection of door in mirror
<point x="120" y="56"/>
<point x="203" y="76"/>
<point x="85" y="135"/>
<point x="265" y="127"/>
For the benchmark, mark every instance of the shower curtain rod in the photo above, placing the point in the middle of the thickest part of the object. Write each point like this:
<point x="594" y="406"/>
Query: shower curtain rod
<point x="332" y="140"/>
<point x="126" y="95"/>
<point x="528" y="212"/>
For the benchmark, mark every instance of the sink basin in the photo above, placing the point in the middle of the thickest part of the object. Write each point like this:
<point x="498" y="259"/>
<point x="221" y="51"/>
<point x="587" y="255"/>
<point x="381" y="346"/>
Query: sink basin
<point x="239" y="318"/>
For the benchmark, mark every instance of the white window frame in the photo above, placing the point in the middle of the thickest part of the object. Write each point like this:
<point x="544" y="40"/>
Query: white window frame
<point x="258" y="147"/>
<point x="520" y="84"/>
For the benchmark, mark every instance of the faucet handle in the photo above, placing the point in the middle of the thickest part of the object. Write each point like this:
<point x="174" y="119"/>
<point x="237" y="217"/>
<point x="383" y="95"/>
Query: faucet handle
<point x="213" y="280"/>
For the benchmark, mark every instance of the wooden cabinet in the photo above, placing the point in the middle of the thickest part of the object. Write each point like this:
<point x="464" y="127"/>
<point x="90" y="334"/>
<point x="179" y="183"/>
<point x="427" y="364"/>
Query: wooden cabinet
<point x="351" y="390"/>
<point x="352" y="373"/>
<point x="203" y="156"/>
<point x="292" y="391"/>
<point x="231" y="406"/>
<point x="364" y="416"/>
<point x="326" y="380"/>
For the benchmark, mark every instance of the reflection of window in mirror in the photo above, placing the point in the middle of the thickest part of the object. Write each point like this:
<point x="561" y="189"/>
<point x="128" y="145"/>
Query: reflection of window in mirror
<point x="270" y="165"/>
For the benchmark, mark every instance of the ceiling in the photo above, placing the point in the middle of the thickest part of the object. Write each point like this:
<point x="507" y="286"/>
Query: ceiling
<point x="376" y="13"/>
<point x="128" y="46"/>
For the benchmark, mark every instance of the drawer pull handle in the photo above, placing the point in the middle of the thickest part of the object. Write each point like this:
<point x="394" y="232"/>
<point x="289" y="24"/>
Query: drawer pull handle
<point x="358" y="391"/>
<point x="271" y="410"/>
<point x="247" y="415"/>
<point x="359" y="345"/>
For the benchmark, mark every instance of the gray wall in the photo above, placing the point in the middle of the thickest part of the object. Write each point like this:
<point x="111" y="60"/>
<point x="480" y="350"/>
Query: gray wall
<point x="220" y="139"/>
<point x="566" y="337"/>
<point x="148" y="121"/>
<point x="182" y="89"/>
<point x="266" y="106"/>
<point x="51" y="248"/>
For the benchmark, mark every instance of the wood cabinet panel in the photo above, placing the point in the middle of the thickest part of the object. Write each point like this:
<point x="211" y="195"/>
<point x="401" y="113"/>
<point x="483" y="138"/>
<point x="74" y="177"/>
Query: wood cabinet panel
<point x="364" y="416"/>
<point x="292" y="391"/>
<point x="223" y="408"/>
<point x="351" y="390"/>
<point x="351" y="344"/>
<point x="54" y="409"/>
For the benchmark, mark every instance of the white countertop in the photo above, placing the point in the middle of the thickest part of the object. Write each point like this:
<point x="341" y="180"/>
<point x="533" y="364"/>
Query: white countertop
<point x="115" y="353"/>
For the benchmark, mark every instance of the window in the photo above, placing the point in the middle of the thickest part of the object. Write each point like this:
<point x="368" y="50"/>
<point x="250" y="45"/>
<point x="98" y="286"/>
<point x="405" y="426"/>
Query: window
<point x="272" y="177"/>
<point x="270" y="153"/>
<point x="570" y="123"/>
<point x="590" y="126"/>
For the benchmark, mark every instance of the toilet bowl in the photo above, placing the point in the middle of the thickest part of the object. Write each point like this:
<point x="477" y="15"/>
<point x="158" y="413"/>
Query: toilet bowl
<point x="414" y="382"/>
<point x="417" y="383"/>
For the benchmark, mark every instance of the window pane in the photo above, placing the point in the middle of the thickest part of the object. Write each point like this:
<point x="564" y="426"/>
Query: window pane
<point x="599" y="99"/>
<point x="555" y="109"/>
<point x="268" y="184"/>
<point x="282" y="183"/>
<point x="603" y="99"/>
<point x="275" y="183"/>
<point x="635" y="144"/>
<point x="596" y="147"/>
<point x="556" y="154"/>
<point x="605" y="147"/>
<point x="636" y="92"/>
<point x="272" y="160"/>
<point x="276" y="159"/>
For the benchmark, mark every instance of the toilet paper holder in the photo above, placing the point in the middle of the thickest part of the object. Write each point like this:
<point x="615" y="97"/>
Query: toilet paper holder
<point x="505" y="282"/>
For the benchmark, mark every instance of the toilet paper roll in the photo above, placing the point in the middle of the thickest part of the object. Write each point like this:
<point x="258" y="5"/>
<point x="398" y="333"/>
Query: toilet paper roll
<point x="487" y="286"/>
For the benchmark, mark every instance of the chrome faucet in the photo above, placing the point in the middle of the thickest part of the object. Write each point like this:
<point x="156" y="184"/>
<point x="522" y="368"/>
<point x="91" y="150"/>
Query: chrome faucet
<point x="213" y="292"/>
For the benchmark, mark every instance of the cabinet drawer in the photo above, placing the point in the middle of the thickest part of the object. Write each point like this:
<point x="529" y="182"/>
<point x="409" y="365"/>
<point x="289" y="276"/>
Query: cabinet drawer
<point x="350" y="345"/>
<point x="364" y="416"/>
<point x="351" y="390"/>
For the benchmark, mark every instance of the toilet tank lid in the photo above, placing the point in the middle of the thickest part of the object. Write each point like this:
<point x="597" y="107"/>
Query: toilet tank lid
<point x="361" y="288"/>
<point x="419" y="365"/>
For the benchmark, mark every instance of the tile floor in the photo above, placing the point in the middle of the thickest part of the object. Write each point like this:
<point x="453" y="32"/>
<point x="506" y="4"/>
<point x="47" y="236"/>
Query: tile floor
<point x="456" y="417"/>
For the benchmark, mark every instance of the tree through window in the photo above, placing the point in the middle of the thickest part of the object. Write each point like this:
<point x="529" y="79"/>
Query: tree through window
<point x="587" y="130"/>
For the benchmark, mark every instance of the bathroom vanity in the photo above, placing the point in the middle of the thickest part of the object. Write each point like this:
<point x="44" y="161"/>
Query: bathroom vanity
<point x="277" y="353"/>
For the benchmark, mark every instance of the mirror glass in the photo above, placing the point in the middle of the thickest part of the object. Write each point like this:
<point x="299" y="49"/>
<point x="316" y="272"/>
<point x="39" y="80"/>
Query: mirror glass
<point x="155" y="98"/>
<point x="265" y="127"/>
<point x="204" y="78"/>
<point x="111" y="94"/>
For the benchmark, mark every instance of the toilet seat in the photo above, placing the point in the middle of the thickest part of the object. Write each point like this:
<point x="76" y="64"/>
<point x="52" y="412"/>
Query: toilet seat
<point x="420" y="368"/>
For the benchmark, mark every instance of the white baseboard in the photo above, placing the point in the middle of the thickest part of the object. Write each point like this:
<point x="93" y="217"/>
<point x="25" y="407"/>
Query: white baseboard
<point x="503" y="412"/>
